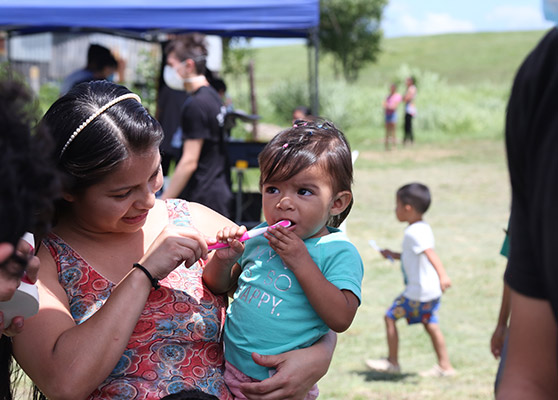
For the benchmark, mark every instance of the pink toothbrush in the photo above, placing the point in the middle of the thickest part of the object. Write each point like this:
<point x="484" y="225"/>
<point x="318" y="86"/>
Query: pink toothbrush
<point x="250" y="234"/>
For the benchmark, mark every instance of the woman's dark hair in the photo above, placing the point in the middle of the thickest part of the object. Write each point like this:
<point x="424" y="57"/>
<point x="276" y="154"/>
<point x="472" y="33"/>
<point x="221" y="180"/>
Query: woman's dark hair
<point x="106" y="141"/>
<point x="192" y="394"/>
<point x="306" y="144"/>
<point x="29" y="184"/>
<point x="416" y="195"/>
<point x="29" y="180"/>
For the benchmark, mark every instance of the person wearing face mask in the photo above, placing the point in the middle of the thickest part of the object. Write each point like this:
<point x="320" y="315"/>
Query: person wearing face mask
<point x="202" y="174"/>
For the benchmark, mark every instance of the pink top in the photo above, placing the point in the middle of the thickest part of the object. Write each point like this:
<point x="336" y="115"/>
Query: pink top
<point x="177" y="341"/>
<point x="392" y="101"/>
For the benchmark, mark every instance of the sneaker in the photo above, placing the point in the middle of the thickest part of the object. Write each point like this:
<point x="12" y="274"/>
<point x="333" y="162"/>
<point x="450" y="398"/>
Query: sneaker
<point x="437" y="372"/>
<point x="383" y="365"/>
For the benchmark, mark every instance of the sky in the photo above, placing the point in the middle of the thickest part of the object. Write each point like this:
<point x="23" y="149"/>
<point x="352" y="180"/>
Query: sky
<point x="430" y="17"/>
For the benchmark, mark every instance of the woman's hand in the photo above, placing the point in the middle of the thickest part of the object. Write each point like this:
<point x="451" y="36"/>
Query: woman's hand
<point x="174" y="245"/>
<point x="297" y="371"/>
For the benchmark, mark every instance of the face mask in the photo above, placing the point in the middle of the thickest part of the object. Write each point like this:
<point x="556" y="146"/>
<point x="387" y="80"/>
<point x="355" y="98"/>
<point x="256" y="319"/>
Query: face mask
<point x="550" y="10"/>
<point x="172" y="78"/>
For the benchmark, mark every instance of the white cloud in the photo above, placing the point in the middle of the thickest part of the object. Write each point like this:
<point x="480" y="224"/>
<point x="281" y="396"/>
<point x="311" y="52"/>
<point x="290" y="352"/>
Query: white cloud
<point x="431" y="24"/>
<point x="516" y="17"/>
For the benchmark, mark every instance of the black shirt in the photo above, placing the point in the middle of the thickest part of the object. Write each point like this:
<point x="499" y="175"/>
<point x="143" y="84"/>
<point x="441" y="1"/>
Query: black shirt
<point x="532" y="148"/>
<point x="202" y="118"/>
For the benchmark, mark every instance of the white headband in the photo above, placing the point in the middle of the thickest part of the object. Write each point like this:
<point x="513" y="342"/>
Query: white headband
<point x="96" y="114"/>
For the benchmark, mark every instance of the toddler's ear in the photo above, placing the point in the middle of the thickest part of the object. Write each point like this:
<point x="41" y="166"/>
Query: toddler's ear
<point x="340" y="202"/>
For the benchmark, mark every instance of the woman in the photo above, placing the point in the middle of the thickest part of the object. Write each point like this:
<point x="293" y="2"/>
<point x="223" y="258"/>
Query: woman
<point x="124" y="313"/>
<point x="410" y="109"/>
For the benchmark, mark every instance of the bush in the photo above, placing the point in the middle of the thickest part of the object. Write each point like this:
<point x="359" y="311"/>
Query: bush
<point x="445" y="111"/>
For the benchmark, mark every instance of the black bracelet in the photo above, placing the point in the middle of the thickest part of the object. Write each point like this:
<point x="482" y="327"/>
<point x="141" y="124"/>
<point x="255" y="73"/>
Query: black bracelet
<point x="154" y="282"/>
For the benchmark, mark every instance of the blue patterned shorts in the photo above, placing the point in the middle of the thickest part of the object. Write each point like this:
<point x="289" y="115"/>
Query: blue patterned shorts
<point x="414" y="311"/>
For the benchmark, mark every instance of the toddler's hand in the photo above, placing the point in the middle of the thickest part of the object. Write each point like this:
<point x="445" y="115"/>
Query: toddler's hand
<point x="445" y="283"/>
<point x="229" y="235"/>
<point x="287" y="245"/>
<point x="387" y="254"/>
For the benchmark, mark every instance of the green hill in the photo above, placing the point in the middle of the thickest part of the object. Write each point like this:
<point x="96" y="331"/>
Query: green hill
<point x="460" y="58"/>
<point x="463" y="81"/>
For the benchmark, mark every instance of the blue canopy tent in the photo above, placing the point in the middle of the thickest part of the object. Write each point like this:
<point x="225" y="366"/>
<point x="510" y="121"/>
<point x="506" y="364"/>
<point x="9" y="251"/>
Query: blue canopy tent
<point x="150" y="20"/>
<point x="271" y="18"/>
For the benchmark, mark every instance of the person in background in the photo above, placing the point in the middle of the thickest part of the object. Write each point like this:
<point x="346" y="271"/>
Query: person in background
<point x="302" y="113"/>
<point x="169" y="111"/>
<point x="124" y="312"/>
<point x="531" y="370"/>
<point x="202" y="173"/>
<point x="221" y="87"/>
<point x="101" y="65"/>
<point x="390" y="105"/>
<point x="300" y="281"/>
<point x="30" y="185"/>
<point x="425" y="281"/>
<point x="410" y="109"/>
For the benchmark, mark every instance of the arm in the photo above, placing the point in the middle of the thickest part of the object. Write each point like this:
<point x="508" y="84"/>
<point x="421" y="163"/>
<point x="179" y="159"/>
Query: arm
<point x="185" y="168"/>
<point x="499" y="335"/>
<point x="445" y="281"/>
<point x="336" y="307"/>
<point x="297" y="371"/>
<point x="531" y="370"/>
<point x="75" y="359"/>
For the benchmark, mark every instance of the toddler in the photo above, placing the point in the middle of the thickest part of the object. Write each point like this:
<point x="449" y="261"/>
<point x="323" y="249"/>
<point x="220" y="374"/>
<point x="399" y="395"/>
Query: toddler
<point x="293" y="284"/>
<point x="425" y="280"/>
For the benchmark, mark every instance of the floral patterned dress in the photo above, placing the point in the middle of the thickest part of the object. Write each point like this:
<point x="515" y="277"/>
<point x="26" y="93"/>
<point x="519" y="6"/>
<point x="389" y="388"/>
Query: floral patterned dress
<point x="177" y="341"/>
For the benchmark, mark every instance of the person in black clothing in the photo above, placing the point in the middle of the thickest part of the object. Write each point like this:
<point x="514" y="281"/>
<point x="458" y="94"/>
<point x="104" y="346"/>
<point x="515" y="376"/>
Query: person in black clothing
<point x="531" y="370"/>
<point x="202" y="174"/>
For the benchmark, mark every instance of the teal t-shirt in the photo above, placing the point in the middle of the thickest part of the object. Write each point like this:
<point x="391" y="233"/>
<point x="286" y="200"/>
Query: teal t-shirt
<point x="270" y="313"/>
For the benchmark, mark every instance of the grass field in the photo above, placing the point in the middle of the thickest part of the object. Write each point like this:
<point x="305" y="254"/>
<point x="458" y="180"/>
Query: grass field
<point x="470" y="206"/>
<point x="464" y="85"/>
<point x="459" y="154"/>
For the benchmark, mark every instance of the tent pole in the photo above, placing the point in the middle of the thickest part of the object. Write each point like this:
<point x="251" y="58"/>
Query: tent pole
<point x="310" y="75"/>
<point x="315" y="99"/>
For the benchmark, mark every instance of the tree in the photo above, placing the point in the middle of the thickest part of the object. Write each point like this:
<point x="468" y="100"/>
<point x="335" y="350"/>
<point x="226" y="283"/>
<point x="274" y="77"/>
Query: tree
<point x="350" y="31"/>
